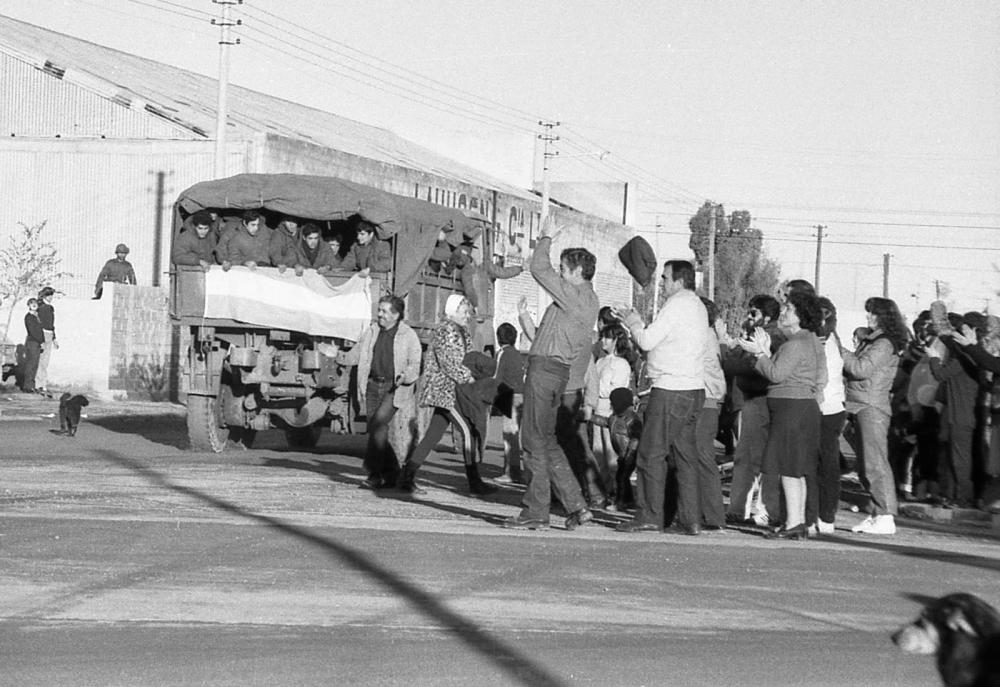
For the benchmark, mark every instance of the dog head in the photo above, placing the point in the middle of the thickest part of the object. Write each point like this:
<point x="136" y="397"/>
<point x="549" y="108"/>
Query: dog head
<point x="945" y="620"/>
<point x="65" y="397"/>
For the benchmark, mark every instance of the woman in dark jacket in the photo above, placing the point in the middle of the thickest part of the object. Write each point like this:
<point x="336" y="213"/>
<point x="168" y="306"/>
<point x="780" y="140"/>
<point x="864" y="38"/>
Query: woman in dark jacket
<point x="797" y="375"/>
<point x="870" y="373"/>
<point x="443" y="370"/>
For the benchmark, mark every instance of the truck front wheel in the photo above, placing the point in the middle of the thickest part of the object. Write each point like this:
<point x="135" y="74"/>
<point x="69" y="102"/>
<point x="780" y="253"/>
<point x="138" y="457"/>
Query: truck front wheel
<point x="206" y="430"/>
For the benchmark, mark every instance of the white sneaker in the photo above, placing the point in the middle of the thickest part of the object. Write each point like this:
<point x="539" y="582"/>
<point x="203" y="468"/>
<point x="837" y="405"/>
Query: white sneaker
<point x="824" y="527"/>
<point x="864" y="525"/>
<point x="880" y="524"/>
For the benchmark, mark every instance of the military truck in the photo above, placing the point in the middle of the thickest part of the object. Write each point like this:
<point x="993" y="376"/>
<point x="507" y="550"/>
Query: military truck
<point x="258" y="356"/>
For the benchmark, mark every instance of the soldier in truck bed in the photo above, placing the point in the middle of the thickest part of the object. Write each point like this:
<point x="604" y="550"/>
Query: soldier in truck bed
<point x="196" y="244"/>
<point x="249" y="245"/>
<point x="369" y="253"/>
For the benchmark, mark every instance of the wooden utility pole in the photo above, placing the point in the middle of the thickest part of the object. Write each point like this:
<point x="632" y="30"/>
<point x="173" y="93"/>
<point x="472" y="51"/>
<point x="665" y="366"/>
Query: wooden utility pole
<point x="885" y="275"/>
<point x="819" y="253"/>
<point x="547" y="137"/>
<point x="224" y="23"/>
<point x="713" y="208"/>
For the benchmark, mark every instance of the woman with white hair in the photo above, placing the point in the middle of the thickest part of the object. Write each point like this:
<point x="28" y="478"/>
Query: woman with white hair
<point x="443" y="370"/>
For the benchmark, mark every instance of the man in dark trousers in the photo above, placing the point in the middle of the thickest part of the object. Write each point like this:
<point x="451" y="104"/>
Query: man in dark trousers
<point x="118" y="269"/>
<point x="562" y="334"/>
<point x="674" y="343"/>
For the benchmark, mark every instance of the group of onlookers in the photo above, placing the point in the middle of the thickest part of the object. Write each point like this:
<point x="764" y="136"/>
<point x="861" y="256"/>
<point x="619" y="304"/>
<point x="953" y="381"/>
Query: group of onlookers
<point x="631" y="421"/>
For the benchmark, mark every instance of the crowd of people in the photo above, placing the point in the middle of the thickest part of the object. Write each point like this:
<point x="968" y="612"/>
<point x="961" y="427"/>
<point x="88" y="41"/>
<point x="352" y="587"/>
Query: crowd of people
<point x="629" y="423"/>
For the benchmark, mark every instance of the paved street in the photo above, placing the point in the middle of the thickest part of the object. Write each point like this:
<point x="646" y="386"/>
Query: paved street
<point x="127" y="560"/>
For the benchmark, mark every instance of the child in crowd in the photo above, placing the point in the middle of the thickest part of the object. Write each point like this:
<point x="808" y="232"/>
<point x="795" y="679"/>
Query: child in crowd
<point x="610" y="372"/>
<point x="510" y="375"/>
<point x="625" y="429"/>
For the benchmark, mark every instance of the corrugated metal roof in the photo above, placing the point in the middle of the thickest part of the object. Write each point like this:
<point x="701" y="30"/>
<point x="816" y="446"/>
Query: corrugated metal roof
<point x="188" y="100"/>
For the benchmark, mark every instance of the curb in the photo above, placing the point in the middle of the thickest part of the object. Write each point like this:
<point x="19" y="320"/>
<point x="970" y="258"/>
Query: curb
<point x="951" y="516"/>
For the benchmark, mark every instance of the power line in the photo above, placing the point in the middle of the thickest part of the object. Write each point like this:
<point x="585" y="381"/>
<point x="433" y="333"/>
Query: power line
<point x="394" y="71"/>
<point x="839" y="243"/>
<point x="393" y="89"/>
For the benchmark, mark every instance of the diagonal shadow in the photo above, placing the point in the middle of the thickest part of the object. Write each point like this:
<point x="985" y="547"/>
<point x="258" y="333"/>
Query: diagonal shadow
<point x="521" y="668"/>
<point x="350" y="477"/>
<point x="919" y="552"/>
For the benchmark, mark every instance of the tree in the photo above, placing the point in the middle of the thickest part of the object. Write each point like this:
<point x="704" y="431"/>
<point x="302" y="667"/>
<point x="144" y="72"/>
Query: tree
<point x="742" y="268"/>
<point x="26" y="265"/>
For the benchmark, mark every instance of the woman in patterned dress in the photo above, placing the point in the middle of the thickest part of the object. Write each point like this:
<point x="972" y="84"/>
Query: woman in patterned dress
<point x="443" y="370"/>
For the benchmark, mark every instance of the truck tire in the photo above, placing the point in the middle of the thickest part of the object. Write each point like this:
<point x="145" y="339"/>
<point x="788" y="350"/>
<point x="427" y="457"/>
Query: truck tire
<point x="204" y="423"/>
<point x="303" y="437"/>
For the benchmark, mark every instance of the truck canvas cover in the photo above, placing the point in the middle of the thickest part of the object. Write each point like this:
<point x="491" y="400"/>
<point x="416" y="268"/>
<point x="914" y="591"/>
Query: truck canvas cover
<point x="414" y="223"/>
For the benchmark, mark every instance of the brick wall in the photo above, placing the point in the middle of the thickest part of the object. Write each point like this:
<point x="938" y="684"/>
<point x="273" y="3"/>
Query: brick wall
<point x="144" y="344"/>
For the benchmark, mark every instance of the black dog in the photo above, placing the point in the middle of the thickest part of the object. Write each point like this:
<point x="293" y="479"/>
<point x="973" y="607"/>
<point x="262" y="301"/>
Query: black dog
<point x="963" y="631"/>
<point x="69" y="412"/>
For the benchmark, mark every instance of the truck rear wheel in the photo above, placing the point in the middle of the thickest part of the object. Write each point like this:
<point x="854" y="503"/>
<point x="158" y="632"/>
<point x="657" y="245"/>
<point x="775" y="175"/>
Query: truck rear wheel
<point x="206" y="431"/>
<point x="303" y="437"/>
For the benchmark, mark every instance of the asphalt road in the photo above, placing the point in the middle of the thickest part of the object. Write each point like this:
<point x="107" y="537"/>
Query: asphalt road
<point x="126" y="560"/>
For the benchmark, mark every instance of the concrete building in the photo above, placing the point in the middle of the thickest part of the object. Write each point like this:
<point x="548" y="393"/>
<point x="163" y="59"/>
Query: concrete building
<point x="98" y="143"/>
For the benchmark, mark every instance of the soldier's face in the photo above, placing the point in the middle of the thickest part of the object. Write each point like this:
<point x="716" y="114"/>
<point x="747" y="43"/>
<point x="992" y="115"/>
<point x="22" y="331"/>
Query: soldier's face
<point x="201" y="230"/>
<point x="253" y="226"/>
<point x="312" y="241"/>
<point x="364" y="237"/>
<point x="121" y="256"/>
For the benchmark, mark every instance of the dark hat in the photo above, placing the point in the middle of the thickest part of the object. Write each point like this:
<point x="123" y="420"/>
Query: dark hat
<point x="121" y="248"/>
<point x="639" y="259"/>
<point x="47" y="291"/>
<point x="201" y="218"/>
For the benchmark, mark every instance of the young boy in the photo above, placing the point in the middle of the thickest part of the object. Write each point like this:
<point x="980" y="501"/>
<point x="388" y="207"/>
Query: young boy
<point x="510" y="373"/>
<point x="626" y="429"/>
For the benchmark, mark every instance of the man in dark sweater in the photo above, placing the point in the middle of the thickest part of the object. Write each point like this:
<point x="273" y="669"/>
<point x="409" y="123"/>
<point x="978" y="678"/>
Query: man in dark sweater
<point x="562" y="335"/>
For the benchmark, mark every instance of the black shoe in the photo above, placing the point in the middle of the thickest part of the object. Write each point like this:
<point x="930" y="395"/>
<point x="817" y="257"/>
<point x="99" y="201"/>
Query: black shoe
<point x="408" y="481"/>
<point x="800" y="531"/>
<point x="519" y="522"/>
<point x="410" y="487"/>
<point x="734" y="519"/>
<point x="374" y="482"/>
<point x="580" y="517"/>
<point x="687" y="530"/>
<point x="636" y="526"/>
<point x="476" y="484"/>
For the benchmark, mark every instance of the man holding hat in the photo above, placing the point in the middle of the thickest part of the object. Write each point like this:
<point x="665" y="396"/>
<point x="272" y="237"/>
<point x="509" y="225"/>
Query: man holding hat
<point x="117" y="270"/>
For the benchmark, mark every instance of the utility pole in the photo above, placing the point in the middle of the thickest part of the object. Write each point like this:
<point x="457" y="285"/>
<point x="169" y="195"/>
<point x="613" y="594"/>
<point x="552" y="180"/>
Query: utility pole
<point x="819" y="253"/>
<point x="885" y="275"/>
<point x="224" y="23"/>
<point x="713" y="208"/>
<point x="547" y="137"/>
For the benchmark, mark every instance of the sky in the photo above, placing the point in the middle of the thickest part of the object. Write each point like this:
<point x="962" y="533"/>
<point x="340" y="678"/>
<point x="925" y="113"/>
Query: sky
<point x="878" y="121"/>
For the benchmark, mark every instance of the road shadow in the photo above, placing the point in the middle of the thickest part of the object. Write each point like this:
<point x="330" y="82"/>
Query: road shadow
<point x="916" y="552"/>
<point x="505" y="657"/>
<point x="446" y="477"/>
<point x="168" y="430"/>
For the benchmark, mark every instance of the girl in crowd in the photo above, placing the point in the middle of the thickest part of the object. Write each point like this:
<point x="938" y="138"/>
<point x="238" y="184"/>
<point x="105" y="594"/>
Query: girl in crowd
<point x="870" y="373"/>
<point x="797" y="375"/>
<point x="612" y="371"/>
